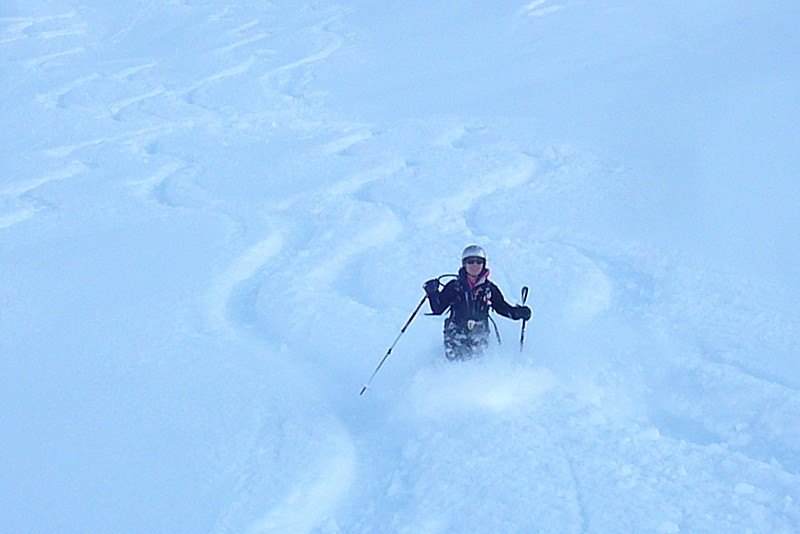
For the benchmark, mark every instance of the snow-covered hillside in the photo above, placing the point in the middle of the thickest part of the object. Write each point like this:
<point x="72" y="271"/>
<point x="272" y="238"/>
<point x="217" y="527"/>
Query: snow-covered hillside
<point x="215" y="217"/>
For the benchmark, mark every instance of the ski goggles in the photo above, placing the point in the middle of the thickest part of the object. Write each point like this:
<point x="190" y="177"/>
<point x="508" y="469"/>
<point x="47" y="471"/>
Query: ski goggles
<point x="471" y="261"/>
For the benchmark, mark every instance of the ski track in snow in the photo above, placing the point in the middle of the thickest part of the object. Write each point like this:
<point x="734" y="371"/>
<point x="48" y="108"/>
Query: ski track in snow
<point x="310" y="503"/>
<point x="17" y="200"/>
<point x="314" y="496"/>
<point x="242" y="269"/>
<point x="336" y="237"/>
<point x="333" y="46"/>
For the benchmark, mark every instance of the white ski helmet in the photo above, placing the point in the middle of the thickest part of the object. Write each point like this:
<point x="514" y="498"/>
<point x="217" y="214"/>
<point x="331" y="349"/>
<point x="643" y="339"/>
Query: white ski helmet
<point x="473" y="251"/>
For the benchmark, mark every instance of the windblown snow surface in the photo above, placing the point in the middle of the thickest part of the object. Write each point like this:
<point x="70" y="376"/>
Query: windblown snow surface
<point x="216" y="216"/>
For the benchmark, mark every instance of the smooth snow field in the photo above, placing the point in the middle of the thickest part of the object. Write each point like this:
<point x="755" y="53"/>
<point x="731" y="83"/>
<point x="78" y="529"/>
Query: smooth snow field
<point x="216" y="217"/>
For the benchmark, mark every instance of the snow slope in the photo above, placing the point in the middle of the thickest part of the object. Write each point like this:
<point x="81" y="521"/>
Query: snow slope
<point x="216" y="216"/>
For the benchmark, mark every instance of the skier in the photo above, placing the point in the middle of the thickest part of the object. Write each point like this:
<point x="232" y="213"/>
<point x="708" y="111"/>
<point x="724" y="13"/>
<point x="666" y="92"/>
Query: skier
<point x="469" y="297"/>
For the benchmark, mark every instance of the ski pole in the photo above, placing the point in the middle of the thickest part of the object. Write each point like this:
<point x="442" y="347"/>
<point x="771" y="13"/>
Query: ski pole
<point x="388" y="352"/>
<point x="522" y="332"/>
<point x="496" y="331"/>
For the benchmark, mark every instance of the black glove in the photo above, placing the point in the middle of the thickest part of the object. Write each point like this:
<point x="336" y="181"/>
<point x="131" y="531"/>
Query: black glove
<point x="431" y="287"/>
<point x="520" y="312"/>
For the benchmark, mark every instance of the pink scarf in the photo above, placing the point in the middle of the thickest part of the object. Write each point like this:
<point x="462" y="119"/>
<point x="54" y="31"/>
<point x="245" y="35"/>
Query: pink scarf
<point x="478" y="281"/>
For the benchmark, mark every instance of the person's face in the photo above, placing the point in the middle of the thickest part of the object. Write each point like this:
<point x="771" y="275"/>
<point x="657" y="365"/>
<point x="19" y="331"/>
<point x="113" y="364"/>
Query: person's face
<point x="474" y="266"/>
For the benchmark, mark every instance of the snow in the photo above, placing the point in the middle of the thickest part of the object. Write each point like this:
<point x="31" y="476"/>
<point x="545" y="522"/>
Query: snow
<point x="215" y="217"/>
